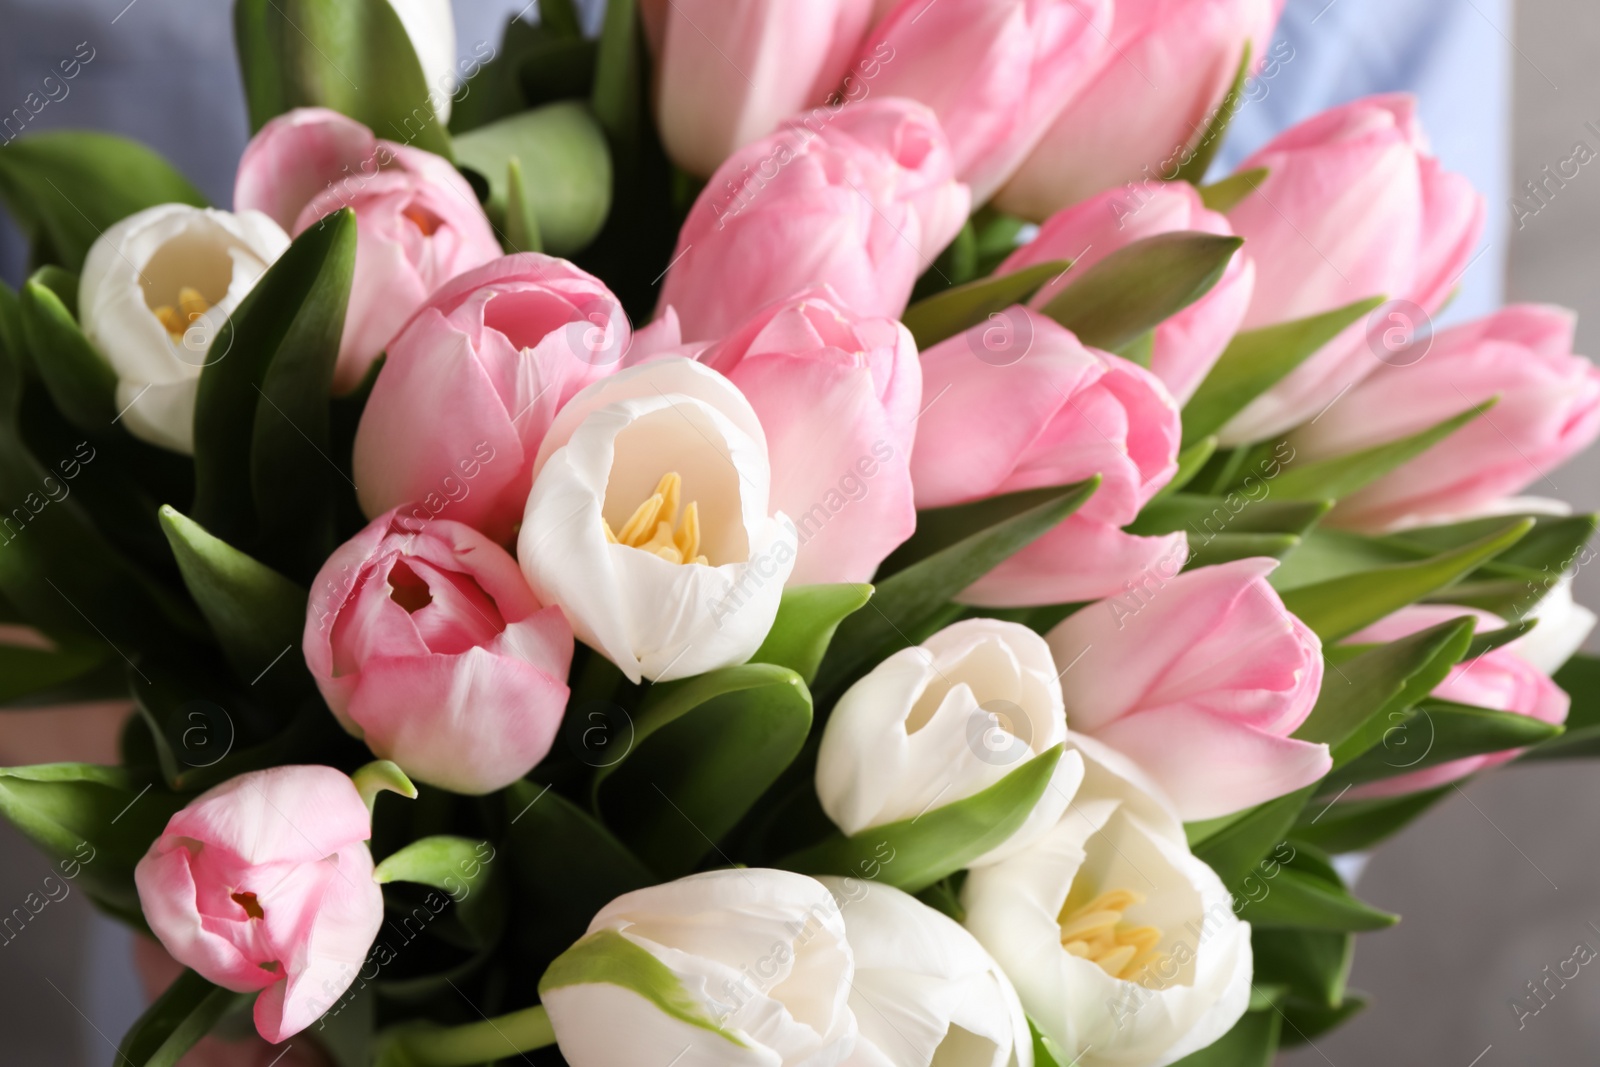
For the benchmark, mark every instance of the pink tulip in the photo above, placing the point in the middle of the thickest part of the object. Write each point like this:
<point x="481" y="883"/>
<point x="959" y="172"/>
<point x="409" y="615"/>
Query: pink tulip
<point x="428" y="644"/>
<point x="1146" y="101"/>
<point x="1199" y="679"/>
<point x="1548" y="411"/>
<point x="1186" y="345"/>
<point x="726" y="75"/>
<point x="838" y="395"/>
<point x="1018" y="403"/>
<point x="265" y="884"/>
<point x="418" y="223"/>
<point x="1500" y="680"/>
<point x="1351" y="208"/>
<point x="471" y="385"/>
<point x="862" y="199"/>
<point x="996" y="72"/>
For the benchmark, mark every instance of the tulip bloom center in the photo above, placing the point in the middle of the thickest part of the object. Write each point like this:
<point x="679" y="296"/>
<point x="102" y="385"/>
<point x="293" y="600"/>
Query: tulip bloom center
<point x="191" y="305"/>
<point x="251" y="906"/>
<point x="1097" y="930"/>
<point x="657" y="527"/>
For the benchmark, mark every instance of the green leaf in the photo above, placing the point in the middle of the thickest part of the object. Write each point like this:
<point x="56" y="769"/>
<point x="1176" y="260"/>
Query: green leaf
<point x="607" y="957"/>
<point x="66" y="189"/>
<point x="1359" y="694"/>
<point x="561" y="17"/>
<point x="1352" y="825"/>
<point x="704" y="750"/>
<point x="1439" y="732"/>
<point x="1256" y="360"/>
<point x="1222" y="196"/>
<point x="178" y="1019"/>
<point x="263" y="477"/>
<point x="1225" y="548"/>
<point x="256" y="613"/>
<point x="353" y="56"/>
<point x="1314" y="964"/>
<point x="561" y="150"/>
<point x="1141" y="285"/>
<point x="952" y="548"/>
<point x="1580" y="677"/>
<point x="1331" y="479"/>
<point x="915" y="853"/>
<point x="1340" y="607"/>
<point x="1190" y="462"/>
<point x="1216" y="130"/>
<point x="379" y="777"/>
<point x="78" y="378"/>
<point x="807" y="618"/>
<point x="1253" y="1042"/>
<point x="1236" y="513"/>
<point x="1305" y="1021"/>
<point x="1045" y="1051"/>
<point x="1235" y="849"/>
<point x="1294" y="898"/>
<point x="617" y="97"/>
<point x="522" y="224"/>
<point x="28" y="676"/>
<point x="460" y="866"/>
<point x="956" y="310"/>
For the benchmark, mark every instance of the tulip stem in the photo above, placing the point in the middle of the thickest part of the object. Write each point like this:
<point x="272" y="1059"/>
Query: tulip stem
<point x="474" y="1043"/>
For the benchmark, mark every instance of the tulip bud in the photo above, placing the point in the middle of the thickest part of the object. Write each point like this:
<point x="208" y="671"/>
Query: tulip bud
<point x="1140" y="113"/>
<point x="1563" y="626"/>
<point x="264" y="883"/>
<point x="838" y="396"/>
<point x="1548" y="410"/>
<point x="996" y="72"/>
<point x="942" y="721"/>
<point x="649" y="523"/>
<point x="1501" y="679"/>
<point x="428" y="645"/>
<point x="418" y="223"/>
<point x="949" y="1002"/>
<point x="1351" y="207"/>
<point x="1199" y="679"/>
<point x="431" y="26"/>
<point x="1123" y="947"/>
<point x="861" y="198"/>
<point x="1028" y="406"/>
<point x="471" y="385"/>
<point x="726" y="76"/>
<point x="156" y="290"/>
<point x="1188" y="344"/>
<point x="753" y="963"/>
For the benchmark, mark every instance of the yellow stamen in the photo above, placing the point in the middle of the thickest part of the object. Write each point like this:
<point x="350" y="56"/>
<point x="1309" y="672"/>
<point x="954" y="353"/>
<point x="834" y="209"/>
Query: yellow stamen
<point x="656" y="527"/>
<point x="1095" y="930"/>
<point x="191" y="305"/>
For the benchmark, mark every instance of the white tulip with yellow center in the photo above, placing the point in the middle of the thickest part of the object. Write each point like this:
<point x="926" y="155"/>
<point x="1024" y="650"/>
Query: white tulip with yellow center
<point x="1123" y="947"/>
<point x="648" y="522"/>
<point x="155" y="292"/>
<point x="940" y="722"/>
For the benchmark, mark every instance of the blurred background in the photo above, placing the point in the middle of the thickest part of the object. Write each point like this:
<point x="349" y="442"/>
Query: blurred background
<point x="1494" y="885"/>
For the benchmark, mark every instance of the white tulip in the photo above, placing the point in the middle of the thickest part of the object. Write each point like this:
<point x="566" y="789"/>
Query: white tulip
<point x="944" y="720"/>
<point x="156" y="289"/>
<point x="1123" y="947"/>
<point x="648" y="522"/>
<point x="925" y="991"/>
<point x="736" y="967"/>
<point x="1564" y="625"/>
<point x="431" y="25"/>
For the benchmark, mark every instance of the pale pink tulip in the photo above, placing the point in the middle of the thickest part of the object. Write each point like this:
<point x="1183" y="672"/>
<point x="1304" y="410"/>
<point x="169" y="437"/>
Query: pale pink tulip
<point x="1199" y="679"/>
<point x="418" y="222"/>
<point x="265" y="884"/>
<point x="1187" y="344"/>
<point x="837" y="395"/>
<point x="1352" y="207"/>
<point x="996" y="72"/>
<point x="473" y="382"/>
<point x="428" y="645"/>
<point x="1500" y="680"/>
<point x="727" y="74"/>
<point x="1150" y="95"/>
<point x="861" y="199"/>
<point x="1548" y="411"/>
<point x="1021" y="404"/>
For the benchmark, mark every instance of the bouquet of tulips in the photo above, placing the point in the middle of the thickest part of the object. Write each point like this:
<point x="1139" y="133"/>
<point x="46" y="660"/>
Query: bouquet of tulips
<point x="846" y="548"/>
